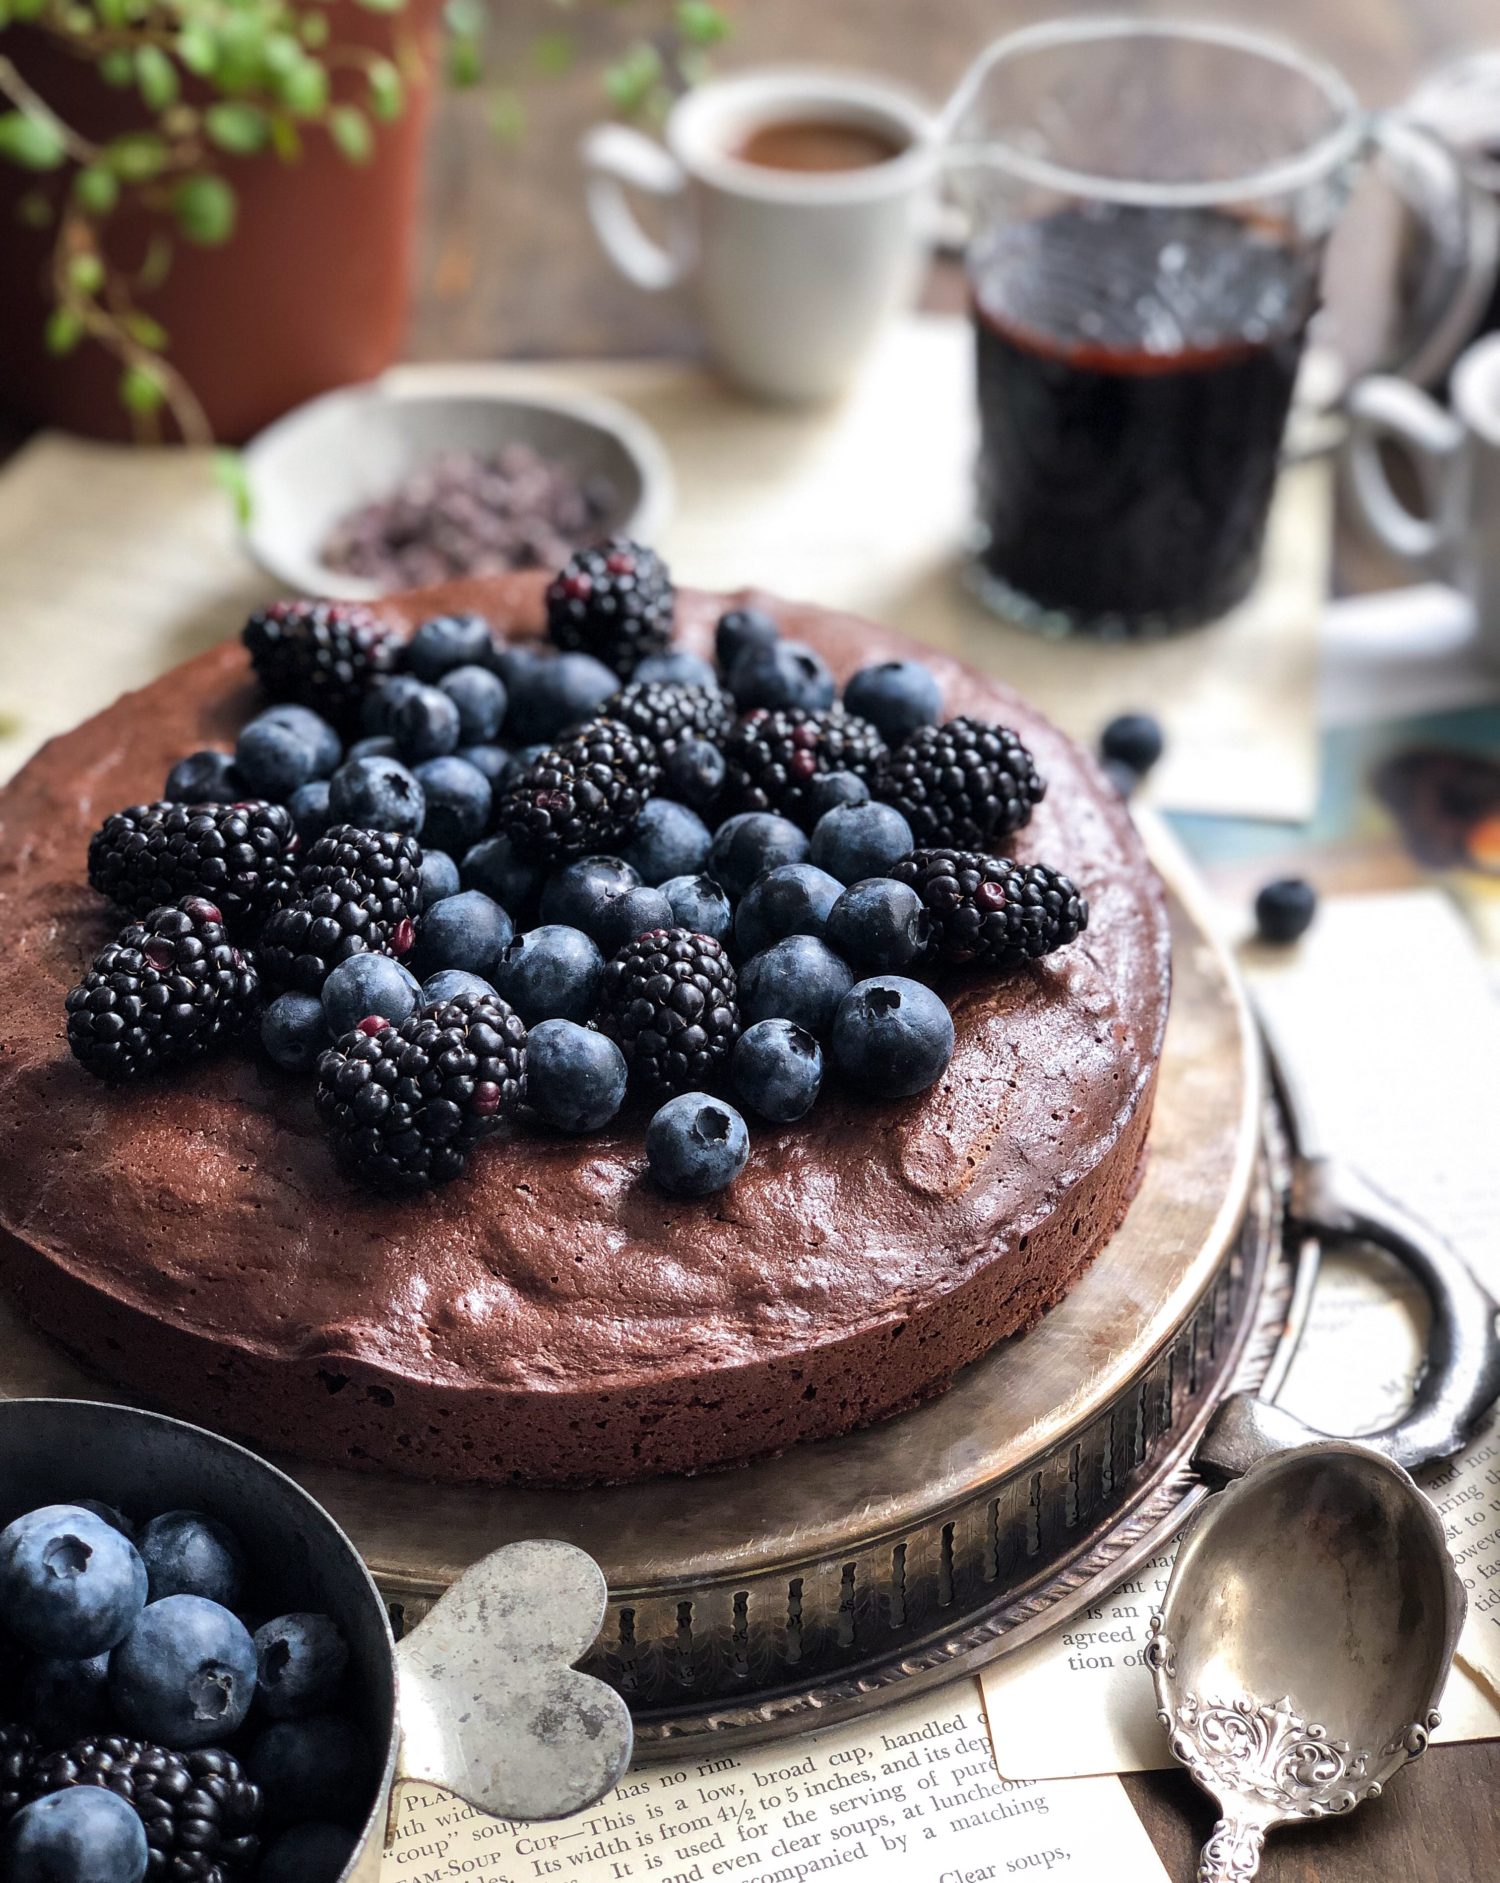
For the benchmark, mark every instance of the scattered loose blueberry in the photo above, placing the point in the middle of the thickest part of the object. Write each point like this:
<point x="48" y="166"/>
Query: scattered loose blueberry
<point x="575" y="1077"/>
<point x="308" y="805"/>
<point x="636" y="912"/>
<point x="493" y="760"/>
<point x="364" y="985"/>
<point x="694" y="772"/>
<point x="676" y="668"/>
<point x="185" y="1674"/>
<point x="578" y="895"/>
<point x="551" y="973"/>
<point x="425" y="725"/>
<point x="316" y="1767"/>
<point x="799" y="978"/>
<point x="853" y="841"/>
<point x="458" y="803"/>
<point x="549" y="695"/>
<point x="468" y="931"/>
<point x="700" y="903"/>
<point x="481" y="700"/>
<point x="880" y="925"/>
<point x="792" y="899"/>
<point x="69" y="1582"/>
<point x="439" y="875"/>
<point x="63" y="1700"/>
<point x="1133" y="739"/>
<point x="81" y="1835"/>
<point x="896" y="696"/>
<point x="743" y="631"/>
<point x="446" y="642"/>
<point x="300" y="1664"/>
<point x="382" y="700"/>
<point x="204" y="778"/>
<point x="777" y="1068"/>
<point x="754" y="841"/>
<point x="669" y="840"/>
<point x="307" y="1853"/>
<point x="273" y="760"/>
<point x="696" y="1145"/>
<point x="494" y="867"/>
<point x="294" y="1032"/>
<point x="892" y="1036"/>
<point x="189" y="1553"/>
<point x="1284" y="909"/>
<point x="312" y="729"/>
<point x="512" y="658"/>
<point x="378" y="794"/>
<point x="449" y="983"/>
<point x="829" y="789"/>
<point x="788" y="674"/>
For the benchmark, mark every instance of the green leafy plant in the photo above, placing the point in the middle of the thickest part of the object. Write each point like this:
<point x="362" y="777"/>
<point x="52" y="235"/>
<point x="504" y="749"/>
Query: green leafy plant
<point x="219" y="81"/>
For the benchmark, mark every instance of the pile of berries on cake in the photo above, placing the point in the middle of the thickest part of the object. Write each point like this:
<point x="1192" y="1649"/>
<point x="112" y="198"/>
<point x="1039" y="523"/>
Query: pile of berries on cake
<point x="464" y="882"/>
<point x="155" y="1722"/>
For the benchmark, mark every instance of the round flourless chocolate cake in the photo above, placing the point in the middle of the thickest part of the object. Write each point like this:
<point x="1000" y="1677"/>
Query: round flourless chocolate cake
<point x="552" y="1317"/>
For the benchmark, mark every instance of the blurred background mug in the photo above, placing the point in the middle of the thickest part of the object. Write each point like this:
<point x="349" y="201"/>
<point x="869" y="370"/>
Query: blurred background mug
<point x="1456" y="457"/>
<point x="797" y="205"/>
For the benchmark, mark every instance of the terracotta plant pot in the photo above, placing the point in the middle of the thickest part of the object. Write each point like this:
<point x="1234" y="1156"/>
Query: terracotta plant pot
<point x="311" y="292"/>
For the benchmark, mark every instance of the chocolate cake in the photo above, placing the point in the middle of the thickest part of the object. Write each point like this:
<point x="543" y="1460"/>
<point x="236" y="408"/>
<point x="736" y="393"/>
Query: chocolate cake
<point x="552" y="1317"/>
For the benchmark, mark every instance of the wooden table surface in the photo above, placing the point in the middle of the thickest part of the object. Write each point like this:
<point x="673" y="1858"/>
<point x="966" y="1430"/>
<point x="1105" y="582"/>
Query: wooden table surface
<point x="510" y="269"/>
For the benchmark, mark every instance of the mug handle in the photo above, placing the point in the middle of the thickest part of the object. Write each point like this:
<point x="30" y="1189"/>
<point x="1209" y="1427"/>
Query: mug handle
<point x="616" y="160"/>
<point x="1381" y="408"/>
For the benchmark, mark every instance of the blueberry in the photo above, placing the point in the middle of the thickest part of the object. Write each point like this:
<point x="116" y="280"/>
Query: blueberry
<point x="637" y="912"/>
<point x="425" y="725"/>
<point x="676" y="668"/>
<point x="439" y="875"/>
<point x="696" y="1144"/>
<point x="107" y="1513"/>
<point x="300" y="1661"/>
<point x="188" y="1553"/>
<point x="510" y="658"/>
<point x="879" y="925"/>
<point x="468" y="931"/>
<point x="1134" y="740"/>
<point x="66" y="1699"/>
<point x="294" y="1032"/>
<point x="551" y="973"/>
<point x="312" y="729"/>
<point x="493" y="760"/>
<point x="669" y="840"/>
<point x="792" y="899"/>
<point x="1284" y="909"/>
<point x="786" y="675"/>
<point x="575" y="1077"/>
<point x="307" y="1853"/>
<point x="799" y="978"/>
<point x="743" y="631"/>
<point x="481" y="700"/>
<point x="446" y="642"/>
<point x="318" y="1767"/>
<point x="853" y="841"/>
<point x="366" y="984"/>
<point x="777" y="1068"/>
<point x="377" y="794"/>
<point x="81" y="1835"/>
<point x="494" y="867"/>
<point x="204" y="778"/>
<point x="892" y="1036"/>
<point x="694" y="772"/>
<point x="308" y="805"/>
<point x="458" y="803"/>
<point x="754" y="841"/>
<point x="377" y="745"/>
<point x="382" y="700"/>
<point x="69" y="1582"/>
<point x="830" y="789"/>
<point x="185" y="1674"/>
<point x="449" y="983"/>
<point x="701" y="904"/>
<point x="896" y="696"/>
<point x="273" y="760"/>
<point x="552" y="694"/>
<point x="578" y="894"/>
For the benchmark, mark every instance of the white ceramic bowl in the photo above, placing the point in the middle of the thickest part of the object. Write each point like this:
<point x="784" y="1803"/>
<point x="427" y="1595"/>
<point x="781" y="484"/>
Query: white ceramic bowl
<point x="310" y="469"/>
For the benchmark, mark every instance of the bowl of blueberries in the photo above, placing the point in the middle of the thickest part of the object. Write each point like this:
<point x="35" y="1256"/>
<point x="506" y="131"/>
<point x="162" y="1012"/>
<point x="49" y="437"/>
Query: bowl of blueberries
<point x="198" y="1677"/>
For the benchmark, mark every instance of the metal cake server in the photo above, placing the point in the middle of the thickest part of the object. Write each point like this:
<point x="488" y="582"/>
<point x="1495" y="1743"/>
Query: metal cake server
<point x="1313" y="1609"/>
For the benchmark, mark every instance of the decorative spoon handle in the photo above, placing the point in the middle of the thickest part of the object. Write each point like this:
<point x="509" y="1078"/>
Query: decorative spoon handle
<point x="1232" y="1853"/>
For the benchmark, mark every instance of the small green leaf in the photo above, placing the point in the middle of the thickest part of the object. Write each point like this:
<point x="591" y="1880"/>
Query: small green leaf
<point x="382" y="6"/>
<point x="629" y="83"/>
<point x="27" y="9"/>
<point x="149" y="332"/>
<point x="465" y="61"/>
<point x="304" y="89"/>
<point x="64" y="331"/>
<point x="387" y="90"/>
<point x="231" y="476"/>
<point x="137" y="156"/>
<point x="350" y="130"/>
<point x="237" y="126"/>
<point x="96" y="189"/>
<point x="30" y="143"/>
<point x="197" y="48"/>
<point x="117" y="68"/>
<point x="701" y="23"/>
<point x="204" y="209"/>
<point x="141" y="390"/>
<point x="282" y="53"/>
<point x="314" y="29"/>
<point x="86" y="273"/>
<point x="464" y="17"/>
<point x="553" y="54"/>
<point x="156" y="76"/>
<point x="286" y="140"/>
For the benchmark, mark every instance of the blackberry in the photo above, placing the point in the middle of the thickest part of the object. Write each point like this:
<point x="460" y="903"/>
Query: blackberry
<point x="326" y="655"/>
<point x="17" y="1750"/>
<point x="200" y="1812"/>
<point x="583" y="795"/>
<point x="670" y="1001"/>
<point x="359" y="891"/>
<point x="993" y="911"/>
<point x="404" y="1105"/>
<point x="771" y="758"/>
<point x="237" y="856"/>
<point x="670" y="715"/>
<point x="614" y="601"/>
<point x="164" y="992"/>
<point x="963" y="783"/>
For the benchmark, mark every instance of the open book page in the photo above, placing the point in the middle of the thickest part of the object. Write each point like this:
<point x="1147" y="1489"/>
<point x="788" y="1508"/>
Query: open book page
<point x="910" y="1794"/>
<point x="1403" y="1069"/>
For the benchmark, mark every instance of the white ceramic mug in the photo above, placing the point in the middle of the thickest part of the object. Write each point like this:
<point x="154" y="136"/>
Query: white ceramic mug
<point x="1457" y="459"/>
<point x="794" y="271"/>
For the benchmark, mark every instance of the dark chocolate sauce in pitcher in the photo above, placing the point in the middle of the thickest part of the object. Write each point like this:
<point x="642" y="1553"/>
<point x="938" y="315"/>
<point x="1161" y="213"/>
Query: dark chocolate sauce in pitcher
<point x="1135" y="370"/>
